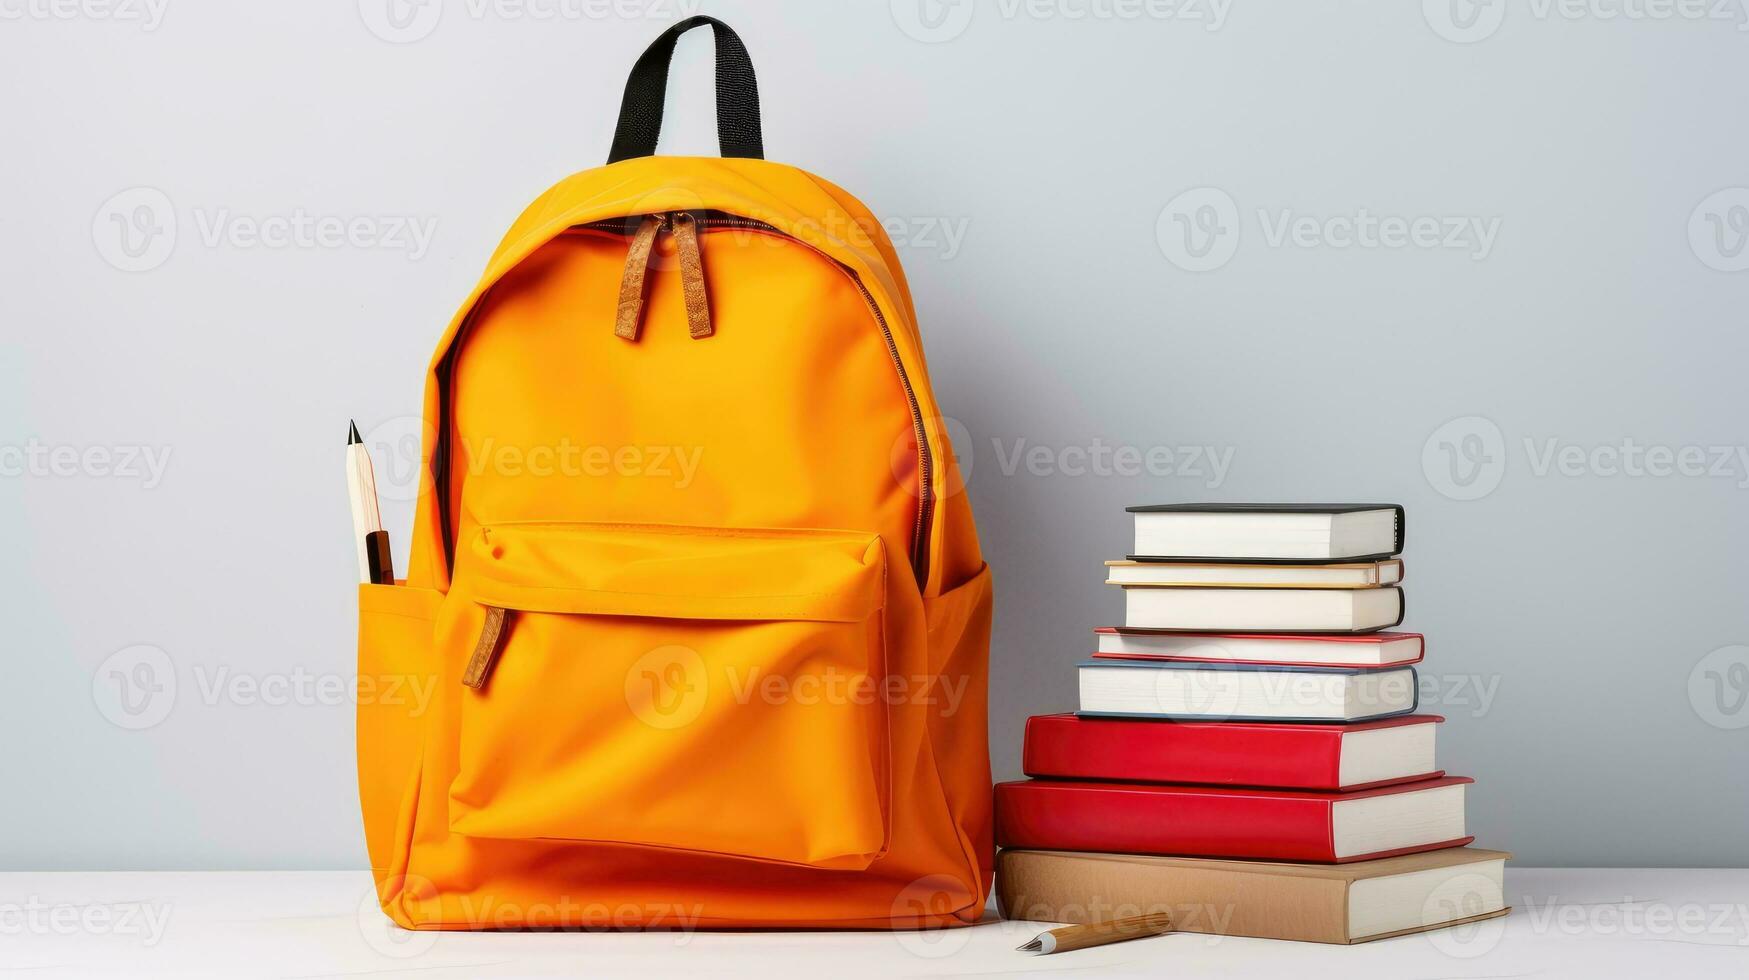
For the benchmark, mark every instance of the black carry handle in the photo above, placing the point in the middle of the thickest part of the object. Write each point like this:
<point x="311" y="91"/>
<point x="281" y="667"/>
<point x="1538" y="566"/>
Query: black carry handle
<point x="640" y="111"/>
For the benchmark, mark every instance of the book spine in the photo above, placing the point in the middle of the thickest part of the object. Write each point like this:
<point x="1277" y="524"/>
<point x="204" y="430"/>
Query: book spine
<point x="1163" y="752"/>
<point x="1071" y="817"/>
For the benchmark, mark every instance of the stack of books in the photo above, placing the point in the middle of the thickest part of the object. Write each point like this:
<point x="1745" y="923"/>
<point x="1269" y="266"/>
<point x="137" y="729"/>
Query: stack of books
<point x="1247" y="747"/>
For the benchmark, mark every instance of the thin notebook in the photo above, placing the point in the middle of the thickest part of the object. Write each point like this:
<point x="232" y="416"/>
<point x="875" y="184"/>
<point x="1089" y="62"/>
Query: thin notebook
<point x="1250" y="575"/>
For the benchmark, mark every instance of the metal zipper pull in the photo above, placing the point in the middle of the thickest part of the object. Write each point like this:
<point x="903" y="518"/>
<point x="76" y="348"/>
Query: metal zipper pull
<point x="630" y="316"/>
<point x="698" y="304"/>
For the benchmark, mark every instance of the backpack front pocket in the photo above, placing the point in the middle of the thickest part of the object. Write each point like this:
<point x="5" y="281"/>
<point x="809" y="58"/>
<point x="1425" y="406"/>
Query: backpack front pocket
<point x="707" y="690"/>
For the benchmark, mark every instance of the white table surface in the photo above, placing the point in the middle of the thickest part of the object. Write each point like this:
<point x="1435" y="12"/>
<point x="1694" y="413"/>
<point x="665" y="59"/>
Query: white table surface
<point x="1672" y="924"/>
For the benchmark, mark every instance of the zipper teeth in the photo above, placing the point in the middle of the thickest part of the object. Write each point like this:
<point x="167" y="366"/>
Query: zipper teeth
<point x="925" y="492"/>
<point x="925" y="459"/>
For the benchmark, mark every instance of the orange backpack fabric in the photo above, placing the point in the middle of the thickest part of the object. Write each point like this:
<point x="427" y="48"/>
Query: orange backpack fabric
<point x="695" y="629"/>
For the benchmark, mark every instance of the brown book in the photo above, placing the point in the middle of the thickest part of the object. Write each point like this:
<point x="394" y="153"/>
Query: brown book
<point x="1320" y="903"/>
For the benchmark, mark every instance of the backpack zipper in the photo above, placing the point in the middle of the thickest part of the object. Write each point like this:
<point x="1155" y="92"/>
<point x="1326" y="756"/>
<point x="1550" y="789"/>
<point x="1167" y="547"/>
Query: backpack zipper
<point x="705" y="220"/>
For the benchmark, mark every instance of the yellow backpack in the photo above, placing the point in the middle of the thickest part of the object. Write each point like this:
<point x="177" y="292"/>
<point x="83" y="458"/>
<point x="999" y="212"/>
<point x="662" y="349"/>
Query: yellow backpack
<point x="692" y="573"/>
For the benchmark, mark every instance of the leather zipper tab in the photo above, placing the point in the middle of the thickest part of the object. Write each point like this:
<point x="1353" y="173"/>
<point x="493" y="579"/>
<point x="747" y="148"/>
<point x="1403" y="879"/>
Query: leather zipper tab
<point x="486" y="648"/>
<point x="630" y="316"/>
<point x="698" y="304"/>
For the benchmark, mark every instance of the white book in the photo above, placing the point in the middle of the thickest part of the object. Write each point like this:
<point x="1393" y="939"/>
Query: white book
<point x="1269" y="532"/>
<point x="1224" y="692"/>
<point x="1263" y="610"/>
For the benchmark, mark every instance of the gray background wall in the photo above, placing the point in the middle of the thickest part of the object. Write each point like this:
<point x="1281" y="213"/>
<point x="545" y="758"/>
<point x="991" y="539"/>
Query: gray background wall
<point x="178" y="622"/>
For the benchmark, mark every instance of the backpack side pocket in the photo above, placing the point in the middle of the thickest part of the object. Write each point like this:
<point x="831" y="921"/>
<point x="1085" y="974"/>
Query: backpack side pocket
<point x="397" y="685"/>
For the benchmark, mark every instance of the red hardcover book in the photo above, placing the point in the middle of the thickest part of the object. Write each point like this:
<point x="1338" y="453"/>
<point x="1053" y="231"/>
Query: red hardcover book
<point x="1284" y="756"/>
<point x="1221" y="822"/>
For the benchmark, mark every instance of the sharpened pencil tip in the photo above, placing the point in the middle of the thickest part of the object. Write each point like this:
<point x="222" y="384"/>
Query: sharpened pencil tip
<point x="352" y="436"/>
